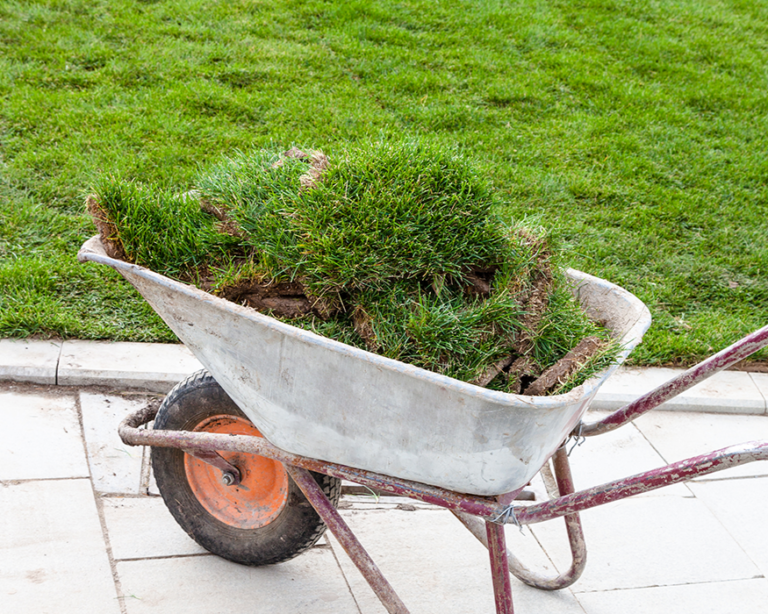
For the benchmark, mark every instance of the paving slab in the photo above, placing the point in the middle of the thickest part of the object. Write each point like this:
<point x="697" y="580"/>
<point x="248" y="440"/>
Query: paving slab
<point x="40" y="437"/>
<point x="115" y="467"/>
<point x="30" y="361"/>
<point x="150" y="366"/>
<point x="615" y="455"/>
<point x="52" y="552"/>
<point x="724" y="392"/>
<point x="742" y="596"/>
<point x="309" y="584"/>
<point x="142" y="527"/>
<point x="741" y="505"/>
<point x="650" y="541"/>
<point x="761" y="382"/>
<point x="678" y="436"/>
<point x="437" y="566"/>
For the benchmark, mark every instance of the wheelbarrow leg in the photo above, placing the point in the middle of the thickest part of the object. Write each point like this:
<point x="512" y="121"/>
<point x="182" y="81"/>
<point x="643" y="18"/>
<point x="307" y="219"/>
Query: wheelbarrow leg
<point x="348" y="541"/>
<point x="572" y="525"/>
<point x="497" y="549"/>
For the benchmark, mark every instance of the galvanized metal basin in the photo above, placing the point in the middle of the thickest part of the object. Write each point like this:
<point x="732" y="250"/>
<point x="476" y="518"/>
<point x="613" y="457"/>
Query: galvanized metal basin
<point x="320" y="398"/>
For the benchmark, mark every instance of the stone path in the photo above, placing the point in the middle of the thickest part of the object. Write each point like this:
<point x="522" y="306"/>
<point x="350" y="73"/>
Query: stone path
<point x="82" y="530"/>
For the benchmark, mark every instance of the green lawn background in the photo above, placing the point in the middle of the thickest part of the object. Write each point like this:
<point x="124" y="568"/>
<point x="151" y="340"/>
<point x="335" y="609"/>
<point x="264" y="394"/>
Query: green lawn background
<point x="637" y="131"/>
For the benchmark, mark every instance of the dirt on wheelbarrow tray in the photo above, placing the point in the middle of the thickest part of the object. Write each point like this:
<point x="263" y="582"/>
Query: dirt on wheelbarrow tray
<point x="396" y="248"/>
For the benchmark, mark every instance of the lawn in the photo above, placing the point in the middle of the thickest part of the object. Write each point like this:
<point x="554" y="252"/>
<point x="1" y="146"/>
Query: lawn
<point x="636" y="132"/>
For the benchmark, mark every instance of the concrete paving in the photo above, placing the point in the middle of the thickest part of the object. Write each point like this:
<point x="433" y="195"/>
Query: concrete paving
<point x="80" y="530"/>
<point x="735" y="392"/>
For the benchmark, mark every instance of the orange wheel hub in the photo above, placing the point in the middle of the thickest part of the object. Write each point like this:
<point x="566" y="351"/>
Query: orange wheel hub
<point x="263" y="489"/>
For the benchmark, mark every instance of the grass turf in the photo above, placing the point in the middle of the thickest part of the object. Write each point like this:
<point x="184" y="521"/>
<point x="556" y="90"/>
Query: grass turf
<point x="389" y="246"/>
<point x="636" y="132"/>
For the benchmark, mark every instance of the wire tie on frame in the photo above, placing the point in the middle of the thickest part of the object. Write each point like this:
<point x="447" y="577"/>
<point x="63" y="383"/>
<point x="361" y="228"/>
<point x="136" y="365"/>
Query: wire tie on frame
<point x="578" y="439"/>
<point x="507" y="514"/>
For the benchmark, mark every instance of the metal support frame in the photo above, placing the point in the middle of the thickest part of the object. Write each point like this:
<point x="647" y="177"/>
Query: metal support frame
<point x="573" y="528"/>
<point x="484" y="507"/>
<point x="497" y="549"/>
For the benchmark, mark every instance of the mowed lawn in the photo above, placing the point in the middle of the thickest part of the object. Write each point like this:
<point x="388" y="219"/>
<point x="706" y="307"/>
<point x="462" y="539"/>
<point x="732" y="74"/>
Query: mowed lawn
<point x="636" y="131"/>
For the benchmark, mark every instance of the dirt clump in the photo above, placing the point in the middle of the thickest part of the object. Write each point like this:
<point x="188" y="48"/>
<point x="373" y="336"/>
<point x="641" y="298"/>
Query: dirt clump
<point x="107" y="229"/>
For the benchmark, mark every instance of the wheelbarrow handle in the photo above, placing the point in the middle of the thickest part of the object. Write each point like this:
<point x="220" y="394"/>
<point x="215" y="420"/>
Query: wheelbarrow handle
<point x="674" y="473"/>
<point x="722" y="360"/>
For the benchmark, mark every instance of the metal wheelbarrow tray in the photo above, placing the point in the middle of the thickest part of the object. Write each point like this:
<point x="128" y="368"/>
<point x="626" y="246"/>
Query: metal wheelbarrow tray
<point x="343" y="412"/>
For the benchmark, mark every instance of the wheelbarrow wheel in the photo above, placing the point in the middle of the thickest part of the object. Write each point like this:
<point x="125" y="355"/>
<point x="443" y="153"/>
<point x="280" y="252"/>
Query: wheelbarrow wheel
<point x="263" y="520"/>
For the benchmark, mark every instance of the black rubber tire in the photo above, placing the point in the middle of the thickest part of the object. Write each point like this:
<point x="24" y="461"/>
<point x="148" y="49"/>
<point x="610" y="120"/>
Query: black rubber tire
<point x="294" y="530"/>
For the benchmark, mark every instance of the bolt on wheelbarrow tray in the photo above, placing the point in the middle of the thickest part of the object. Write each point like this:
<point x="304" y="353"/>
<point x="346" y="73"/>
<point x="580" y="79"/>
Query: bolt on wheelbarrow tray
<point x="319" y="398"/>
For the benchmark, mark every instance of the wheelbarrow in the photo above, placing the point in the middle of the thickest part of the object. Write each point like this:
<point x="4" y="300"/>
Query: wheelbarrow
<point x="250" y="453"/>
